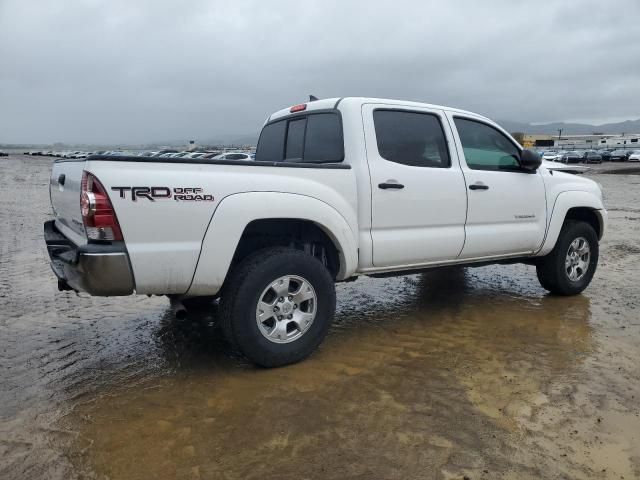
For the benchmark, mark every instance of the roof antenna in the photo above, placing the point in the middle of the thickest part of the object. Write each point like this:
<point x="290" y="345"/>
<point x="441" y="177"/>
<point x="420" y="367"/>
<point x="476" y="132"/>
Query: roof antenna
<point x="312" y="98"/>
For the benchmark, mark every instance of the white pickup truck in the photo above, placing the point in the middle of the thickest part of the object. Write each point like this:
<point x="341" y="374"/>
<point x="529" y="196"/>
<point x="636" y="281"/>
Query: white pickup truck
<point x="339" y="188"/>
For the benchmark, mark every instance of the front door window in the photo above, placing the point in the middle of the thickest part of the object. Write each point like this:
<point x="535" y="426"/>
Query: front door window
<point x="486" y="148"/>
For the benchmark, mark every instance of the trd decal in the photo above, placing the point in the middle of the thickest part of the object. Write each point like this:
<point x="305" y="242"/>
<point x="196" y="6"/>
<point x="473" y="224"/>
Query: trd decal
<point x="179" y="194"/>
<point x="193" y="193"/>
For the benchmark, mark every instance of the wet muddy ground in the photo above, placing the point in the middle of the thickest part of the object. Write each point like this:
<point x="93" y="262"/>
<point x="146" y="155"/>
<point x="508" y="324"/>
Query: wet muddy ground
<point x="465" y="373"/>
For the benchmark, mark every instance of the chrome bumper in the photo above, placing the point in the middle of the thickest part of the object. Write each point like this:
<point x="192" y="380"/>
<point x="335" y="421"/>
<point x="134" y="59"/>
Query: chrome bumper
<point x="101" y="270"/>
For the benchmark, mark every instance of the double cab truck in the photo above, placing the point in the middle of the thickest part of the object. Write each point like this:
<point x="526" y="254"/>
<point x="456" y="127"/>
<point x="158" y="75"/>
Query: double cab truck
<point x="339" y="188"/>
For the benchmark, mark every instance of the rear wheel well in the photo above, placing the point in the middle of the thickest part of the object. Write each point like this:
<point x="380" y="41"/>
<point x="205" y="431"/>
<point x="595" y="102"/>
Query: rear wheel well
<point x="587" y="215"/>
<point x="299" y="234"/>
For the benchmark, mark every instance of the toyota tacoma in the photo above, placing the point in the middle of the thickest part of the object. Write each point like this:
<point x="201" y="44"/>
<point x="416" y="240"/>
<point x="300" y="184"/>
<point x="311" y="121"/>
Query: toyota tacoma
<point x="339" y="188"/>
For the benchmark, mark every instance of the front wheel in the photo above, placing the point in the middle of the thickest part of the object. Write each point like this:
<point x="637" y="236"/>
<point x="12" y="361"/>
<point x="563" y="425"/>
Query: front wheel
<point x="277" y="306"/>
<point x="570" y="266"/>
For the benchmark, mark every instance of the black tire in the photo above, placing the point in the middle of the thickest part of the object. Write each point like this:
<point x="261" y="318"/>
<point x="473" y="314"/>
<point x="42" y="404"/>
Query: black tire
<point x="241" y="293"/>
<point x="551" y="269"/>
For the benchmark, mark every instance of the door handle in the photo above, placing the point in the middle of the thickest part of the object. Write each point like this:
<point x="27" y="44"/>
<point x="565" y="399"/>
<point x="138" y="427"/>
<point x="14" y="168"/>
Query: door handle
<point x="390" y="184"/>
<point x="478" y="186"/>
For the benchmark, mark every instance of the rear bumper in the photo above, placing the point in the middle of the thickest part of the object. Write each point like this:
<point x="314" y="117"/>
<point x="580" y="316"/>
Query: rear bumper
<point x="101" y="270"/>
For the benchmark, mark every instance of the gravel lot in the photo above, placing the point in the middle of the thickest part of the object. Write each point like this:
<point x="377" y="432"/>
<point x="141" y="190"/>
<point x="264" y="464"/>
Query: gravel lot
<point x="465" y="373"/>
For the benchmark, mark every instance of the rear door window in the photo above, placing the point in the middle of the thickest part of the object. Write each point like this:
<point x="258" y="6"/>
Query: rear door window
<point x="411" y="138"/>
<point x="313" y="138"/>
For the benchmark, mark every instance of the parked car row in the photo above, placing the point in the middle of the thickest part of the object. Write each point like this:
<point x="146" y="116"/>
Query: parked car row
<point x="213" y="155"/>
<point x="65" y="154"/>
<point x="563" y="156"/>
<point x="207" y="154"/>
<point x="590" y="156"/>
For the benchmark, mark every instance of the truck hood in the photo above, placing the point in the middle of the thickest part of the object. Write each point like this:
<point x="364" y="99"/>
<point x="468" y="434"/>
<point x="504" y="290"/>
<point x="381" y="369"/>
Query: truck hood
<point x="564" y="167"/>
<point x="558" y="181"/>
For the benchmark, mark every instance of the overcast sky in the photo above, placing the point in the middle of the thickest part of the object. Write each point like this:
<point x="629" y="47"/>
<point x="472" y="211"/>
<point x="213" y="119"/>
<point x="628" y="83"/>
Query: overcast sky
<point x="153" y="70"/>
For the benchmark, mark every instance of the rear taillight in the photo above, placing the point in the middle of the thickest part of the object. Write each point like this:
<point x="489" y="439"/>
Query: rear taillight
<point x="98" y="215"/>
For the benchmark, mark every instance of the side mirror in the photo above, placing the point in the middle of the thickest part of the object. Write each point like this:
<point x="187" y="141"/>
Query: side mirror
<point x="529" y="160"/>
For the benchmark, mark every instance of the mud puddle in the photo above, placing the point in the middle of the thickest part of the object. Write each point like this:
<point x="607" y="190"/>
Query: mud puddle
<point x="463" y="372"/>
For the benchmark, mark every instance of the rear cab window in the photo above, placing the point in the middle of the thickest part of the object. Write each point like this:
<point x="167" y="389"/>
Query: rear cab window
<point x="271" y="142"/>
<point x="295" y="139"/>
<point x="313" y="137"/>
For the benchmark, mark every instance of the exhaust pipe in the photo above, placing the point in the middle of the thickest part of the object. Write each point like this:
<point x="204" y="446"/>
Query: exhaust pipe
<point x="179" y="310"/>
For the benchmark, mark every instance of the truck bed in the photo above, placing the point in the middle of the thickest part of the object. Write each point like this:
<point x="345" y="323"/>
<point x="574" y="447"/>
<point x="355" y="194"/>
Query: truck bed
<point x="165" y="205"/>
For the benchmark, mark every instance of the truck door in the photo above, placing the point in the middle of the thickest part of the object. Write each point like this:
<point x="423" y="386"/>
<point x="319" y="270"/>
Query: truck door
<point x="507" y="206"/>
<point x="419" y="197"/>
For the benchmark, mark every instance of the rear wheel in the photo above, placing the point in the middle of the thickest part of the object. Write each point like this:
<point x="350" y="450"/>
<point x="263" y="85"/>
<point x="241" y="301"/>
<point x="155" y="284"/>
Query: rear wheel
<point x="277" y="306"/>
<point x="570" y="266"/>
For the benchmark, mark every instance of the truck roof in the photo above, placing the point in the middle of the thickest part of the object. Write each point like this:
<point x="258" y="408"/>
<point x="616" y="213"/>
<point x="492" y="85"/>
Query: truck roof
<point x="357" y="102"/>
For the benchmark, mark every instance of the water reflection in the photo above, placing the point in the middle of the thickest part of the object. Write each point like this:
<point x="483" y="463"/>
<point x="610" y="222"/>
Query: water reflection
<point x="397" y="372"/>
<point x="431" y="304"/>
<point x="193" y="342"/>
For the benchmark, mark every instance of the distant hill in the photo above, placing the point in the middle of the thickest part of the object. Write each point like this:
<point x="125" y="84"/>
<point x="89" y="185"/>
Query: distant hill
<point x="628" y="126"/>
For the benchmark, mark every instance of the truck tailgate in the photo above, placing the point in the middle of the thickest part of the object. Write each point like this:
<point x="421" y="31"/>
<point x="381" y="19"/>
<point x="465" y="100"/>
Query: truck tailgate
<point x="64" y="189"/>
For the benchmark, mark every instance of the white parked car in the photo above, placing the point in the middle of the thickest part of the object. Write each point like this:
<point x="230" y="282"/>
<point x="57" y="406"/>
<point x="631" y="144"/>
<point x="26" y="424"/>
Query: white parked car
<point x="233" y="156"/>
<point x="194" y="155"/>
<point x="635" y="157"/>
<point x="552" y="156"/>
<point x="339" y="188"/>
